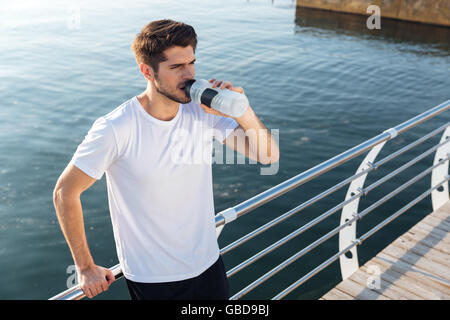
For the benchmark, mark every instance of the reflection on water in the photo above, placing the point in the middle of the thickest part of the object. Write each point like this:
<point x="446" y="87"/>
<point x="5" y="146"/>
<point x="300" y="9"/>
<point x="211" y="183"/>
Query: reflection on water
<point x="392" y="30"/>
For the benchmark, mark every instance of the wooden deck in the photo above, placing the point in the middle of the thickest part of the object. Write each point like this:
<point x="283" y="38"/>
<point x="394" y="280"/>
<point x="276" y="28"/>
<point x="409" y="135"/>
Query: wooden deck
<point x="416" y="266"/>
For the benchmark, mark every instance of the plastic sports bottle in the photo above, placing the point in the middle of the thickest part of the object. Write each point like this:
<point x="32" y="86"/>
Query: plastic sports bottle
<point x="226" y="101"/>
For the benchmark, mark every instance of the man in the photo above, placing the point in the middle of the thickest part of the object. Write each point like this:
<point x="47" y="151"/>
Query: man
<point x="162" y="209"/>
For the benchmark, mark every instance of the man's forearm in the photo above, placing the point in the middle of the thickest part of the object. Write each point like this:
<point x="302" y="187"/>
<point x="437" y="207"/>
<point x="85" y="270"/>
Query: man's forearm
<point x="261" y="142"/>
<point x="70" y="217"/>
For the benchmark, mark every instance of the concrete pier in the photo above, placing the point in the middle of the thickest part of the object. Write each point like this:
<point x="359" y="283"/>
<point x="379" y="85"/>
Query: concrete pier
<point x="424" y="11"/>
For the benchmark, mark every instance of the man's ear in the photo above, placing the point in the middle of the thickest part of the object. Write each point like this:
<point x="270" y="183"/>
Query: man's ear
<point x="147" y="71"/>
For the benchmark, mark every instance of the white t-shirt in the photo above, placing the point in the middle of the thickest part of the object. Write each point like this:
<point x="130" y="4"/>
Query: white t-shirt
<point x="159" y="181"/>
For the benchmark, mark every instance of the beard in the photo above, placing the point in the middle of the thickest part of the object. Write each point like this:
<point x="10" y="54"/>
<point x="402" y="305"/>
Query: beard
<point x="172" y="94"/>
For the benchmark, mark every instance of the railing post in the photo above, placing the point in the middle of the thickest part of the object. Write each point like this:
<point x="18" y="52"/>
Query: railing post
<point x="440" y="195"/>
<point x="349" y="261"/>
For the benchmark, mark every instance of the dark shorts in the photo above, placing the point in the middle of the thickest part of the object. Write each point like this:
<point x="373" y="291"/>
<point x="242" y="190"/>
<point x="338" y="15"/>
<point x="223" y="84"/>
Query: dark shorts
<point x="212" y="284"/>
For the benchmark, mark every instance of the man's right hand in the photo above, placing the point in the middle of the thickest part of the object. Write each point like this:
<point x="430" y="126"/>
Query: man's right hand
<point x="94" y="280"/>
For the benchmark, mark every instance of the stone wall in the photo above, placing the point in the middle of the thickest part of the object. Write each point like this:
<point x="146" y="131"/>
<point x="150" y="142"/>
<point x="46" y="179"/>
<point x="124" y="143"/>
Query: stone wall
<point x="425" y="11"/>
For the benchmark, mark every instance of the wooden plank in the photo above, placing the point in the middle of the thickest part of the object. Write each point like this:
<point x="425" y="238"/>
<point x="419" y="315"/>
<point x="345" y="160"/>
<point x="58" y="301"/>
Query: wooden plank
<point x="436" y="222"/>
<point x="388" y="281"/>
<point x="424" y="280"/>
<point x="336" y="294"/>
<point x="396" y="275"/>
<point x="362" y="276"/>
<point x="405" y="269"/>
<point x="431" y="250"/>
<point x="428" y="228"/>
<point x="435" y="244"/>
<point x="424" y="233"/>
<point x="421" y="250"/>
<point x="410" y="281"/>
<point x="417" y="244"/>
<point x="418" y="277"/>
<point x="430" y="240"/>
<point x="442" y="214"/>
<point x="359" y="292"/>
<point x="418" y="261"/>
<point x="438" y="230"/>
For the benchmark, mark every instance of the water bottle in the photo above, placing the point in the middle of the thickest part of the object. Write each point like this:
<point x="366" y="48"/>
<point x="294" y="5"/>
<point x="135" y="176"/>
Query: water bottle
<point x="231" y="103"/>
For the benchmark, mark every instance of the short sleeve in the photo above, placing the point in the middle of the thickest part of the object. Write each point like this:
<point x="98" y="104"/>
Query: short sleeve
<point x="223" y="126"/>
<point x="98" y="150"/>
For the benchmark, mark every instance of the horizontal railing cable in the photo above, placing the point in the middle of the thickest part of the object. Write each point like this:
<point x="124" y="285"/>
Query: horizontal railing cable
<point x="294" y="182"/>
<point x="410" y="146"/>
<point x="403" y="167"/>
<point x="333" y="189"/>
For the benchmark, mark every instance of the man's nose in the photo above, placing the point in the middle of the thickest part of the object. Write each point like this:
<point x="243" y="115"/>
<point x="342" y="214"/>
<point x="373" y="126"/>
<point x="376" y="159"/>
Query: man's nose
<point x="188" y="74"/>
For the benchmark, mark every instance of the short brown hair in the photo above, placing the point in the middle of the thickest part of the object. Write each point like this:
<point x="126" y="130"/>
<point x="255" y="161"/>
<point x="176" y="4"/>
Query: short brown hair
<point x="159" y="35"/>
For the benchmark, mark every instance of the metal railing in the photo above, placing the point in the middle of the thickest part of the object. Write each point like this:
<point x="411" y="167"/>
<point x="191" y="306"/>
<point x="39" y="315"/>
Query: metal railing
<point x="346" y="230"/>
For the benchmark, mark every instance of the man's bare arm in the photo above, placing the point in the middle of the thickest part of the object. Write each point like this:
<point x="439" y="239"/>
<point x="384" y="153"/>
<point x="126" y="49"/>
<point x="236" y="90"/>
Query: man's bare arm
<point x="251" y="138"/>
<point x="255" y="144"/>
<point x="66" y="198"/>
